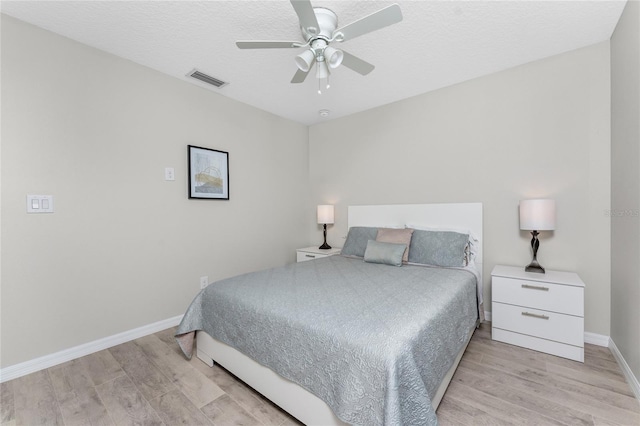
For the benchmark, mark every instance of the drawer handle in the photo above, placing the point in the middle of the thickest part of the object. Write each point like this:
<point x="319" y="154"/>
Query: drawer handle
<point x="535" y="287"/>
<point x="310" y="255"/>
<point x="529" y="314"/>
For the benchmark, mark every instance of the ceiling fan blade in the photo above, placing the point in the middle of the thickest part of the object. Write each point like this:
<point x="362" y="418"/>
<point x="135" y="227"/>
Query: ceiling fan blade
<point x="299" y="76"/>
<point x="267" y="44"/>
<point x="358" y="65"/>
<point x="380" y="19"/>
<point x="306" y="15"/>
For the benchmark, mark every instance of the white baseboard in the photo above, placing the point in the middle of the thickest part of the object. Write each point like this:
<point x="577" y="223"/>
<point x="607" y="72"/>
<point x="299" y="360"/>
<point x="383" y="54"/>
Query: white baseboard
<point x="596" y="339"/>
<point x="28" y="367"/>
<point x="487" y="316"/>
<point x="626" y="370"/>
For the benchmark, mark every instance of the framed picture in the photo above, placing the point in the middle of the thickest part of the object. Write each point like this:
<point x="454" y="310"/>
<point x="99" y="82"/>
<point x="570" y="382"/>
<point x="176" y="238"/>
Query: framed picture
<point x="208" y="173"/>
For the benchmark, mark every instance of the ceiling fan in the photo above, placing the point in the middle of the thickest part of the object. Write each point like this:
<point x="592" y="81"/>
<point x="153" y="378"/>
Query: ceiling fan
<point x="319" y="30"/>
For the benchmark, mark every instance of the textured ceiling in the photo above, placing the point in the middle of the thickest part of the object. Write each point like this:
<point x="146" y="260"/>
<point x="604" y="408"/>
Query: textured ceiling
<point x="438" y="43"/>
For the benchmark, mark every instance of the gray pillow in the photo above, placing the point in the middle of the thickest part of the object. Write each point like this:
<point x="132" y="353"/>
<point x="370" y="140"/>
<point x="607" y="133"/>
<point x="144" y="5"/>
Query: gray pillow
<point x="357" y="238"/>
<point x="386" y="253"/>
<point x="438" y="248"/>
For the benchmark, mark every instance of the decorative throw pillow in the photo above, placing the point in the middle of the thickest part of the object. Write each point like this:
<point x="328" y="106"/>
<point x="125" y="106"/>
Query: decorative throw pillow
<point x="357" y="238"/>
<point x="385" y="253"/>
<point x="396" y="236"/>
<point x="438" y="248"/>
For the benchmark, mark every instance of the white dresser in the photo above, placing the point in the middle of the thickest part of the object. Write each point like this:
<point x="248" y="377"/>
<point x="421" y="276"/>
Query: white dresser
<point x="543" y="312"/>
<point x="310" y="253"/>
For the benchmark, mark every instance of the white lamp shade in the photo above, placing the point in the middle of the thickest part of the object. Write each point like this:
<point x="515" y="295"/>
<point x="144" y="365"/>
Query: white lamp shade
<point x="305" y="60"/>
<point x="325" y="214"/>
<point x="538" y="215"/>
<point x="333" y="57"/>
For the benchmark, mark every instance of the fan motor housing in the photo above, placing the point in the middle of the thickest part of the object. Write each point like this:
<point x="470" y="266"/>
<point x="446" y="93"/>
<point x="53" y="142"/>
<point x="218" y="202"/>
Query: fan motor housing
<point x="327" y="21"/>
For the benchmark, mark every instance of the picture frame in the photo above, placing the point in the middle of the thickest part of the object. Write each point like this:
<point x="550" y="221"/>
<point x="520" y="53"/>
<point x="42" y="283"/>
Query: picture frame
<point x="208" y="173"/>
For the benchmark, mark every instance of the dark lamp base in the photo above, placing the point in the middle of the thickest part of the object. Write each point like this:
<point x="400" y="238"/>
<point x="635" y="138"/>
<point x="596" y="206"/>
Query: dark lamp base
<point x="324" y="245"/>
<point x="534" y="266"/>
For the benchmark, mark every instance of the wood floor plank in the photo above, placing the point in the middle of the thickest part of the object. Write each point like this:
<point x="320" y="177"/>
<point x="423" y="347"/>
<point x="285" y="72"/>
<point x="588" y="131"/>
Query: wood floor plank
<point x="35" y="402"/>
<point x="189" y="380"/>
<point x="102" y="367"/>
<point x="587" y="392"/>
<point x="174" y="408"/>
<point x="507" y="352"/>
<point x="217" y="374"/>
<point x="255" y="404"/>
<point x="224" y="411"/>
<point x="572" y="400"/>
<point x="168" y="337"/>
<point x="598" y="421"/>
<point x="146" y="376"/>
<point x="85" y="409"/>
<point x="597" y="366"/>
<point x="595" y="378"/>
<point x="594" y="351"/>
<point x="7" y="411"/>
<point x="603" y="363"/>
<point x="516" y="396"/>
<point x="455" y="411"/>
<point x="263" y="408"/>
<point x="78" y="400"/>
<point x="496" y="407"/>
<point x="125" y="403"/>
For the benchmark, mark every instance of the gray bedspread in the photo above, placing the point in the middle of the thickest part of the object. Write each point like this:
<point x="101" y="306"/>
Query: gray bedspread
<point x="373" y="341"/>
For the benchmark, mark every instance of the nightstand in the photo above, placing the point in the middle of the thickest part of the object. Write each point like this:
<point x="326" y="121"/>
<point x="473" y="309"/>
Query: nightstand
<point x="543" y="312"/>
<point x="310" y="253"/>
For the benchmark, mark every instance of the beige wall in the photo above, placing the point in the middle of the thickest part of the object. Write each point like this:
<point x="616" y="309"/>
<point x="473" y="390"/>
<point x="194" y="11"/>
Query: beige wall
<point x="538" y="130"/>
<point x="125" y="248"/>
<point x="625" y="186"/>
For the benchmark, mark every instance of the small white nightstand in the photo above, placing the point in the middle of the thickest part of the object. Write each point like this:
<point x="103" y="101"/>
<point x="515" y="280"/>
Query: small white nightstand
<point x="310" y="253"/>
<point x="543" y="312"/>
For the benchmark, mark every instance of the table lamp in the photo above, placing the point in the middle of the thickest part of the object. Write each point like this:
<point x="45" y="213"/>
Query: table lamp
<point x="325" y="216"/>
<point x="537" y="215"/>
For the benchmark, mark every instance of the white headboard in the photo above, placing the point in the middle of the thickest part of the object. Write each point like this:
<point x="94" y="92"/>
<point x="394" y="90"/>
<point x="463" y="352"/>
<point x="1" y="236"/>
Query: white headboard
<point x="464" y="216"/>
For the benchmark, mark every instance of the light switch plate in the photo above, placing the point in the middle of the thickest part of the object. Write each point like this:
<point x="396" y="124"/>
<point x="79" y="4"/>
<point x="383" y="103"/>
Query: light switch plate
<point x="169" y="173"/>
<point x="39" y="203"/>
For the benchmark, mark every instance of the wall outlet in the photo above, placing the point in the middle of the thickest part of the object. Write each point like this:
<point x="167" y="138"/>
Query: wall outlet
<point x="204" y="281"/>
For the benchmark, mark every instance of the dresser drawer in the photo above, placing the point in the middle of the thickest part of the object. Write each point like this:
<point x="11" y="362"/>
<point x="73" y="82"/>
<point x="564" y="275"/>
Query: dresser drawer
<point x="538" y="323"/>
<point x="541" y="295"/>
<point x="303" y="256"/>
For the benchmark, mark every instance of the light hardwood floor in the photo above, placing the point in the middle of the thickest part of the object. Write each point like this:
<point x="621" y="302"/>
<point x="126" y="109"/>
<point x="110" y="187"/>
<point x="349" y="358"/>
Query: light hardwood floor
<point x="148" y="381"/>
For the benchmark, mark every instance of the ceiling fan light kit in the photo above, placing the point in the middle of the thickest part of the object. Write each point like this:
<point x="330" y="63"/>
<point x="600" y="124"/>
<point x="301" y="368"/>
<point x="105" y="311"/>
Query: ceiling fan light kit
<point x="333" y="56"/>
<point x="305" y="60"/>
<point x="319" y="27"/>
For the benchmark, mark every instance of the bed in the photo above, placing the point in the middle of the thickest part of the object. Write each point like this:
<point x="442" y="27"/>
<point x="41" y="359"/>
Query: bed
<point x="339" y="340"/>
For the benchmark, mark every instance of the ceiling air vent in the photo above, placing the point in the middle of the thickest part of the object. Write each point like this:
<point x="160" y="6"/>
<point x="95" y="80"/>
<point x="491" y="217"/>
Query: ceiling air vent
<point x="207" y="79"/>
